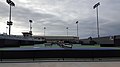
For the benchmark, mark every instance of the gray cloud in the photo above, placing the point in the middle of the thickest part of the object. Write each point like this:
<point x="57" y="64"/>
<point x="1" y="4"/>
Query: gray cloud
<point x="56" y="15"/>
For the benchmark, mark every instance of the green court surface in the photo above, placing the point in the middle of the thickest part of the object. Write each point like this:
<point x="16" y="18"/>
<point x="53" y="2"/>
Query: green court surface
<point x="56" y="46"/>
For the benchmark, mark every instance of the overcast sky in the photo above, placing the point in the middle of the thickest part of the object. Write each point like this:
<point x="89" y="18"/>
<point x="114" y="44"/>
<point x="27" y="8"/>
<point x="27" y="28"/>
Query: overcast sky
<point x="56" y="15"/>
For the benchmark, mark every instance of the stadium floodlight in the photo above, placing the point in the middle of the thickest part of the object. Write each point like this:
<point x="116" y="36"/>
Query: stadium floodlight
<point x="44" y="30"/>
<point x="11" y="3"/>
<point x="30" y="25"/>
<point x="6" y="30"/>
<point x="96" y="7"/>
<point x="77" y="27"/>
<point x="67" y="30"/>
<point x="9" y="23"/>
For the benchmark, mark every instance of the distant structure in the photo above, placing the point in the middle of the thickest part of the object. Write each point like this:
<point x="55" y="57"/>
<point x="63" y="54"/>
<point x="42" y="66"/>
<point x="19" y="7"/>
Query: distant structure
<point x="28" y="34"/>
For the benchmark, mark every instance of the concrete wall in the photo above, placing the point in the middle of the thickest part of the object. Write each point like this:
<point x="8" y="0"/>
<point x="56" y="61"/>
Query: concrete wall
<point x="101" y="40"/>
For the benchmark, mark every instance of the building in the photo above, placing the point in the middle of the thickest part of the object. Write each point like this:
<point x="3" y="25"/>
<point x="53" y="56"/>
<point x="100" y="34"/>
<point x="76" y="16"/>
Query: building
<point x="72" y="39"/>
<point x="106" y="41"/>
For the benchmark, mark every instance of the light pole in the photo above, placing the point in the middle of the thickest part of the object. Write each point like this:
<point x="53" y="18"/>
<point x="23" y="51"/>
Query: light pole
<point x="30" y="26"/>
<point x="96" y="6"/>
<point x="44" y="30"/>
<point x="6" y="30"/>
<point x="9" y="23"/>
<point x="77" y="27"/>
<point x="67" y="30"/>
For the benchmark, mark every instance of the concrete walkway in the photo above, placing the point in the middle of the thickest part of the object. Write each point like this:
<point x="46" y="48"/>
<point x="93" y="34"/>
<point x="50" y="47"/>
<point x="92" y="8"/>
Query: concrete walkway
<point x="62" y="64"/>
